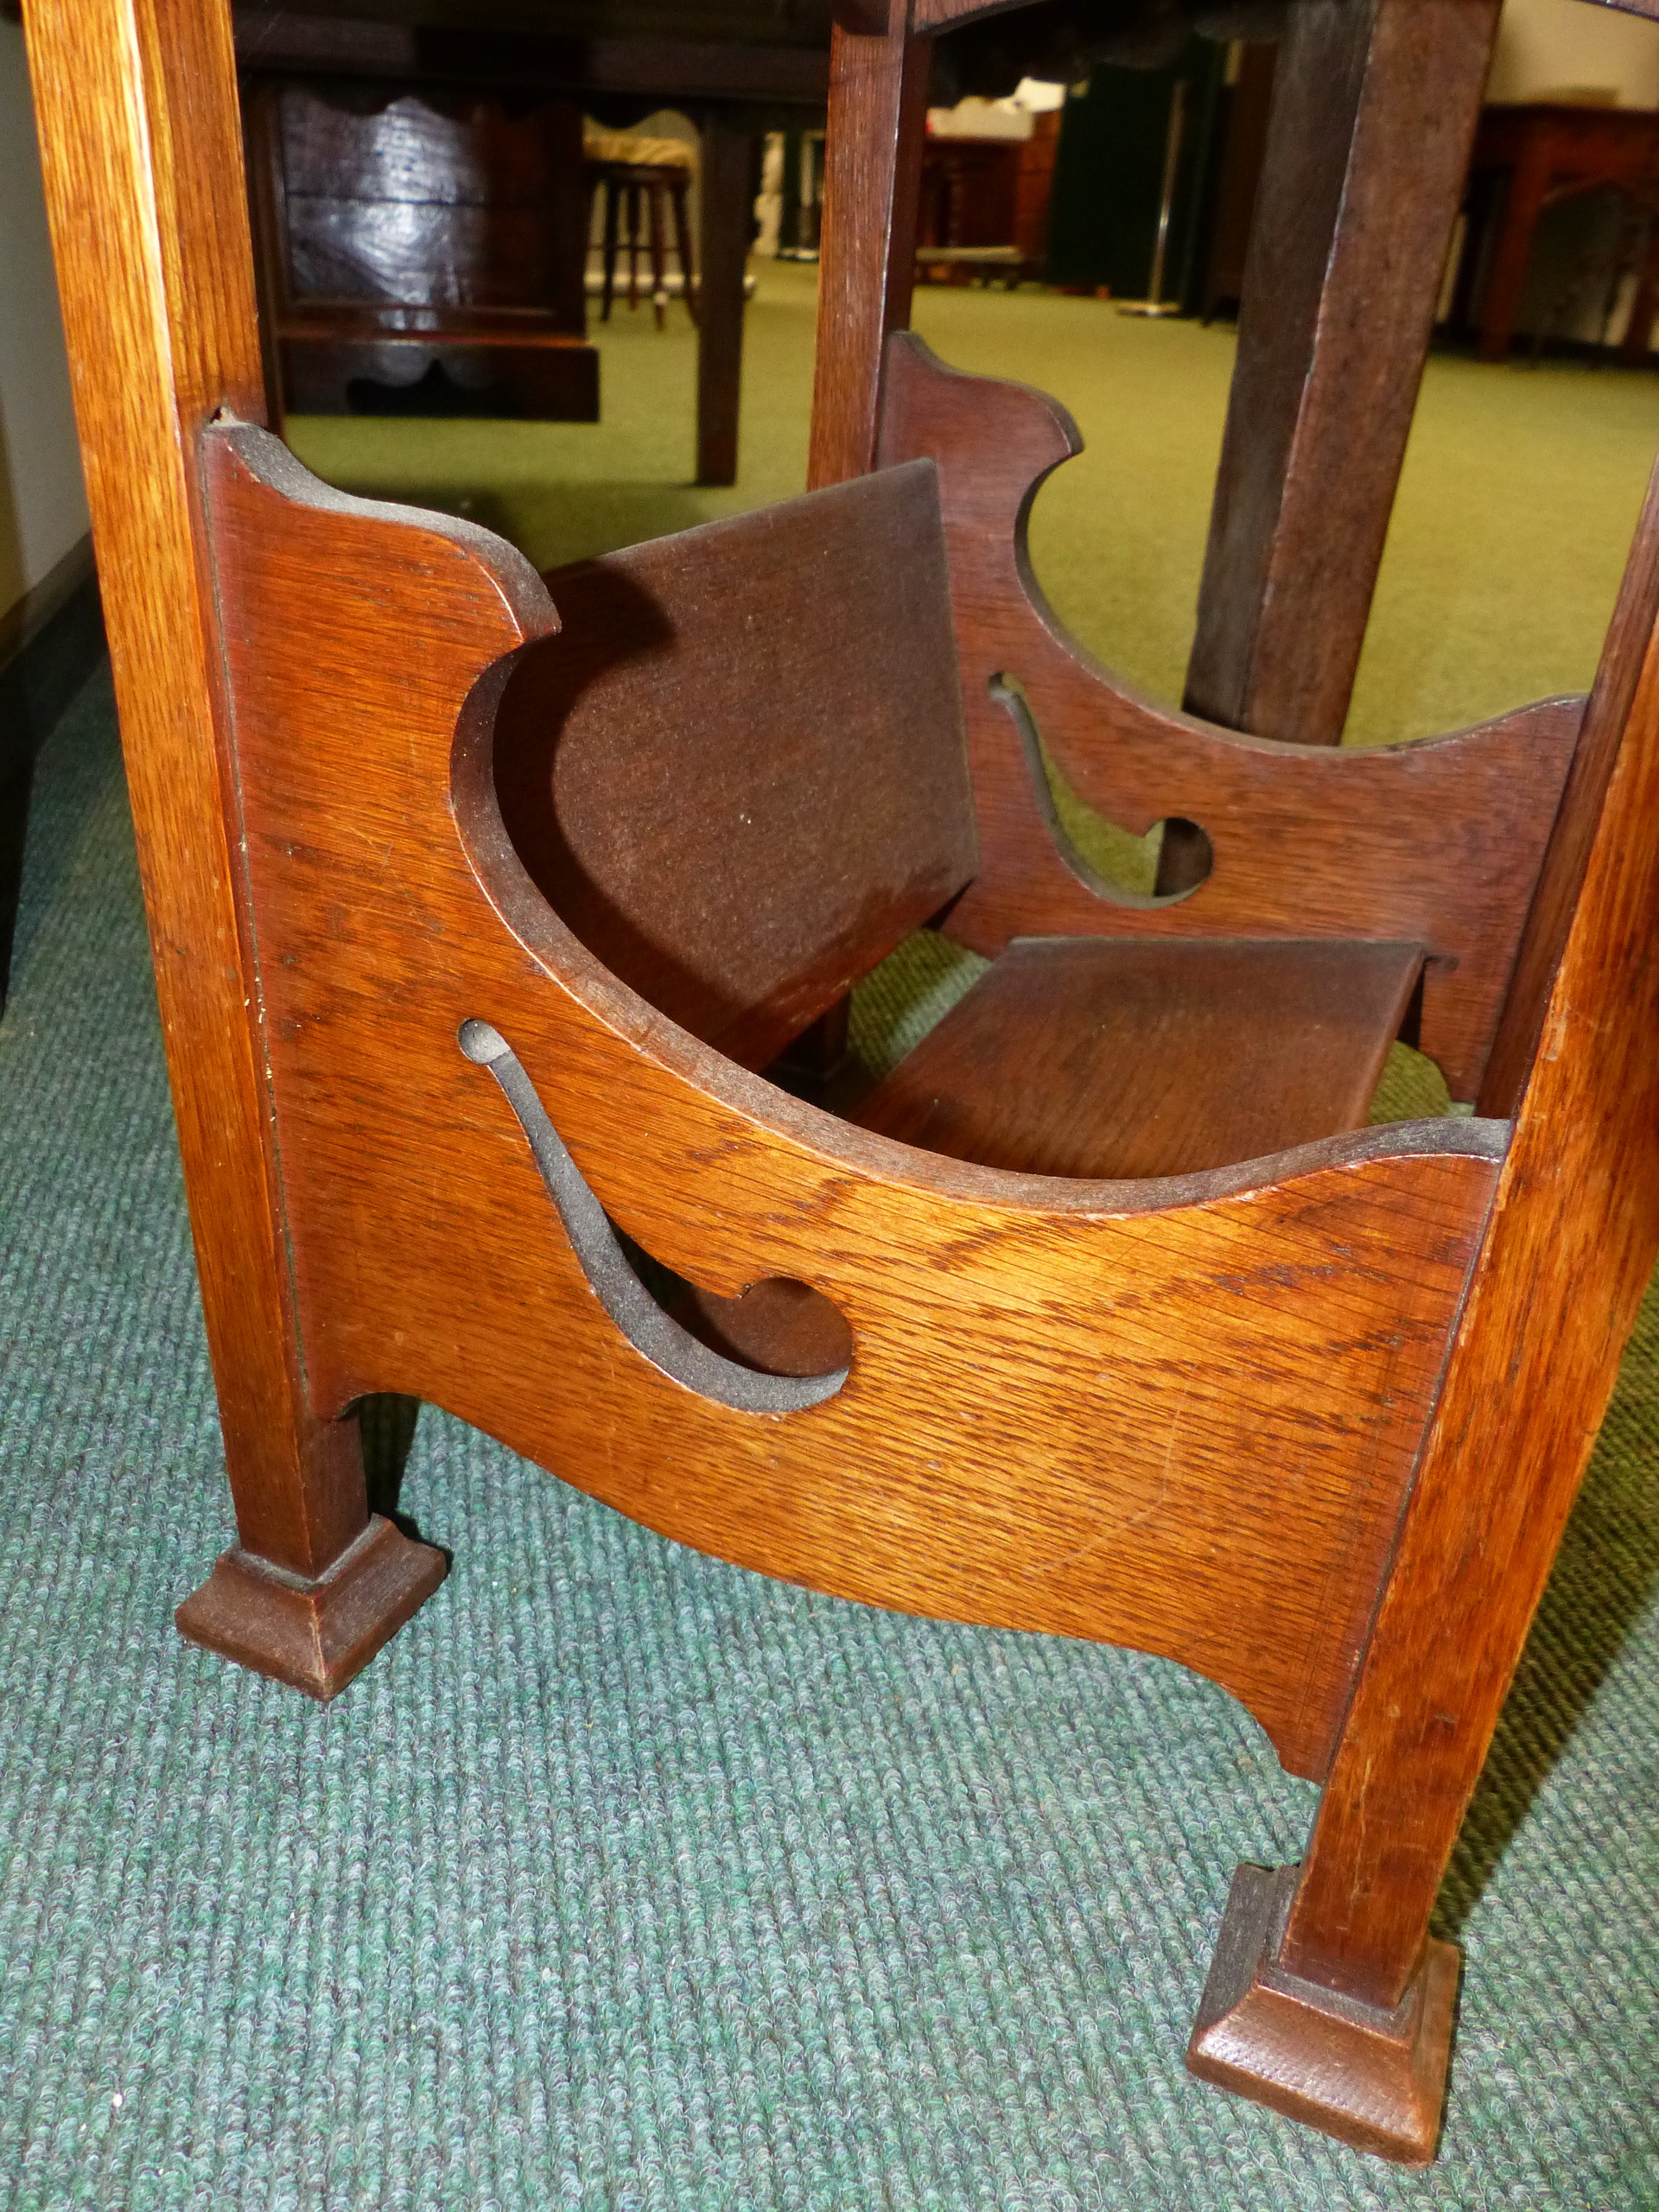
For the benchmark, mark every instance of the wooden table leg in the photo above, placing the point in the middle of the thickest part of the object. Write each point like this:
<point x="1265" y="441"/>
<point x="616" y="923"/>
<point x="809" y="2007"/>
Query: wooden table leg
<point x="873" y="155"/>
<point x="1373" y="114"/>
<point x="1507" y="281"/>
<point x="726" y="218"/>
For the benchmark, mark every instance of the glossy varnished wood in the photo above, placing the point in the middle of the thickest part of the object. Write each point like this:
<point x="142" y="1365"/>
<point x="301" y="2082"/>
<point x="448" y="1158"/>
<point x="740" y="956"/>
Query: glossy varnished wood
<point x="1130" y="1057"/>
<point x="136" y="106"/>
<point x="1562" y="1270"/>
<point x="399" y="234"/>
<point x="1438" y="842"/>
<point x="1003" y="1327"/>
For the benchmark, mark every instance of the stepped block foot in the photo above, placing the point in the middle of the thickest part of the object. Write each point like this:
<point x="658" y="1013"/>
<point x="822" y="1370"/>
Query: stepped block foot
<point x="313" y="1635"/>
<point x="1373" y="2078"/>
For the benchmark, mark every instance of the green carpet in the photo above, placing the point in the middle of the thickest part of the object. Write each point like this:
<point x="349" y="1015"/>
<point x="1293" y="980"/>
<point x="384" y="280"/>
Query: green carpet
<point x="623" y="1878"/>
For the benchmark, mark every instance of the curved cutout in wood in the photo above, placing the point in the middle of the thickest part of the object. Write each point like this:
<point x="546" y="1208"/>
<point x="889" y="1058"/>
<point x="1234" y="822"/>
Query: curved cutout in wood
<point x="1048" y="784"/>
<point x="616" y="1282"/>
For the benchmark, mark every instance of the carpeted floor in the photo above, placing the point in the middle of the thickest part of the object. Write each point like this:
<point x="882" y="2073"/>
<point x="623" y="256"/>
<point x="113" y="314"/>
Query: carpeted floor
<point x="623" y="1878"/>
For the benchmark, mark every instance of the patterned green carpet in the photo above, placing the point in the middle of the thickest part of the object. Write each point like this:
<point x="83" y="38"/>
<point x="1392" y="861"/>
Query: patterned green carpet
<point x="626" y="1879"/>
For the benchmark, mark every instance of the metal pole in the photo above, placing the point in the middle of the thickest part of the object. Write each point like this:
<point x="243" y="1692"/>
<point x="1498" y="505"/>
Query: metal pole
<point x="1155" y="303"/>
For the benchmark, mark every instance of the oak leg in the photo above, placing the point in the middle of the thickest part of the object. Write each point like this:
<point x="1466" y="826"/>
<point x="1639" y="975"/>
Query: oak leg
<point x="872" y="185"/>
<point x="1375" y="107"/>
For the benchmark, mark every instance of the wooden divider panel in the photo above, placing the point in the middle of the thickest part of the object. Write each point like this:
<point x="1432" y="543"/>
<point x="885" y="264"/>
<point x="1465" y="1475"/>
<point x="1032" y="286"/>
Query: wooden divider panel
<point x="1438" y="841"/>
<point x="737" y="814"/>
<point x="1179" y="1415"/>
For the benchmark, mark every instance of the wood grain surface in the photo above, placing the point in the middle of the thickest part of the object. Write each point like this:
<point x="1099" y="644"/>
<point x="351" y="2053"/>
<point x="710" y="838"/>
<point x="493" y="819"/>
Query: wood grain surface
<point x="872" y="182"/>
<point x="1179" y="1415"/>
<point x="740" y="774"/>
<point x="1563" y="1266"/>
<point x="1374" y="105"/>
<point x="1438" y="842"/>
<point x="136" y="101"/>
<point x="1128" y="1057"/>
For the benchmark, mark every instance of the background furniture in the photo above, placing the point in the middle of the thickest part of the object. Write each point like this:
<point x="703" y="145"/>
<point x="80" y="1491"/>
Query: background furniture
<point x="985" y="203"/>
<point x="737" y="70"/>
<point x="1527" y="159"/>
<point x="628" y="170"/>
<point x="1108" y="175"/>
<point x="418" y="250"/>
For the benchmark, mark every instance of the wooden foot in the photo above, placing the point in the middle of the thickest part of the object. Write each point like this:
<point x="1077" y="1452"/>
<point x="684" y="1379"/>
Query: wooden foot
<point x="315" y="1635"/>
<point x="1373" y="2078"/>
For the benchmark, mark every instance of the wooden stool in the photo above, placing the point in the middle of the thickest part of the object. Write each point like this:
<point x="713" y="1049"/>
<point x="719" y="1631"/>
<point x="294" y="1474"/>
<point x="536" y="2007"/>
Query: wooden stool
<point x="628" y="168"/>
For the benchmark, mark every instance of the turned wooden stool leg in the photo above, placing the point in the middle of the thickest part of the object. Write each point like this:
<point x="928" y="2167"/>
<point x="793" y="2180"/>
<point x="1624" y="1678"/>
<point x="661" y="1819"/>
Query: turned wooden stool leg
<point x="611" y="212"/>
<point x="654" y="197"/>
<point x="682" y="246"/>
<point x="633" y="194"/>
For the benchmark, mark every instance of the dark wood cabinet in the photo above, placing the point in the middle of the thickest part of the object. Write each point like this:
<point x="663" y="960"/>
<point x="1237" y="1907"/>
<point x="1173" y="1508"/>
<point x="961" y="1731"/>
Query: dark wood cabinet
<point x="421" y="250"/>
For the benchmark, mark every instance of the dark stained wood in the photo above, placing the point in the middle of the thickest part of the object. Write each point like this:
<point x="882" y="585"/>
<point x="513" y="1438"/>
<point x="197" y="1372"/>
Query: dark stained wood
<point x="1243" y="155"/>
<point x="1376" y="2080"/>
<point x="715" y="62"/>
<point x="1002" y="1325"/>
<point x="1540" y="153"/>
<point x="1095" y="1057"/>
<point x="1567" y="1257"/>
<point x="777" y="1326"/>
<point x="1438" y="843"/>
<point x="317" y="1635"/>
<point x="624" y="187"/>
<point x="873" y="160"/>
<point x="726" y="191"/>
<point x="402" y="238"/>
<point x="1374" y="110"/>
<point x="162" y="333"/>
<point x="738" y="772"/>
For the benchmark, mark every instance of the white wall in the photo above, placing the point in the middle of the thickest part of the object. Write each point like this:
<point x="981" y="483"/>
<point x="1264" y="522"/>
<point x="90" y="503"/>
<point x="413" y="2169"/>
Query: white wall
<point x="1546" y="47"/>
<point x="43" y="507"/>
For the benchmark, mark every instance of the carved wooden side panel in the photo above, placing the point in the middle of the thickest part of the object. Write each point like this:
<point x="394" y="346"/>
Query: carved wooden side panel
<point x="1179" y="1415"/>
<point x="1438" y="841"/>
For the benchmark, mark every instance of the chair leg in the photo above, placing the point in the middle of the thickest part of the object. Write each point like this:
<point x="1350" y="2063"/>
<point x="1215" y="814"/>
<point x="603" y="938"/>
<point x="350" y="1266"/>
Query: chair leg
<point x="633" y="192"/>
<point x="612" y="210"/>
<point x="682" y="246"/>
<point x="654" y="196"/>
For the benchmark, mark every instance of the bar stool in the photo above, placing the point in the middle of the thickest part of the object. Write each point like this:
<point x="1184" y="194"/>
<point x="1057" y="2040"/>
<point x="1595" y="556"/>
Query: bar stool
<point x="627" y="167"/>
